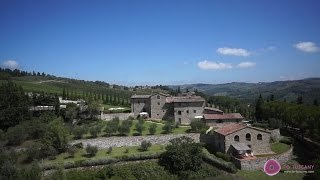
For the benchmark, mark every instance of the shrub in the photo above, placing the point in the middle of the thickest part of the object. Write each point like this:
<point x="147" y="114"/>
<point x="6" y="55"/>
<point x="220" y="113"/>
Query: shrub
<point x="78" y="145"/>
<point x="124" y="129"/>
<point x="260" y="125"/>
<point x="198" y="126"/>
<point x="227" y="166"/>
<point x="33" y="153"/>
<point x="141" y="121"/>
<point x="16" y="135"/>
<point x="112" y="126"/>
<point x="223" y="156"/>
<point x="153" y="128"/>
<point x="145" y="145"/>
<point x="139" y="128"/>
<point x="109" y="150"/>
<point x="168" y="128"/>
<point x="94" y="131"/>
<point x="71" y="151"/>
<point x="287" y="140"/>
<point x="126" y="151"/>
<point x="130" y="118"/>
<point x="79" y="131"/>
<point x="91" y="150"/>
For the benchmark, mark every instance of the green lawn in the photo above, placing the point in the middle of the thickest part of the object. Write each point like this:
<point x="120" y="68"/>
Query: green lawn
<point x="102" y="154"/>
<point x="279" y="147"/>
<point x="260" y="175"/>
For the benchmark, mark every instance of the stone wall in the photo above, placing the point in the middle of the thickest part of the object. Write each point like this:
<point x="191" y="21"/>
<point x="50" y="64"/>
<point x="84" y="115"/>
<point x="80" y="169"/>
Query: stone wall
<point x="140" y="105"/>
<point x="121" y="116"/>
<point x="114" y="141"/>
<point x="257" y="164"/>
<point x="159" y="107"/>
<point x="275" y="135"/>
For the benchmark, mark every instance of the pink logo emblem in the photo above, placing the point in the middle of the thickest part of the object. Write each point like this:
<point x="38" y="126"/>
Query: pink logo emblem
<point x="272" y="167"/>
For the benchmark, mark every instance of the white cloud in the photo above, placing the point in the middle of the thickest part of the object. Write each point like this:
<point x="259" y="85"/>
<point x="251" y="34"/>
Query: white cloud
<point x="209" y="65"/>
<point x="308" y="47"/>
<point x="246" y="65"/>
<point x="233" y="51"/>
<point x="11" y="64"/>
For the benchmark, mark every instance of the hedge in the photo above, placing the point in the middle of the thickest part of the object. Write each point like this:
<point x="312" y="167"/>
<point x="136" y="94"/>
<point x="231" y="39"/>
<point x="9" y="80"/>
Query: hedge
<point x="97" y="162"/>
<point x="227" y="166"/>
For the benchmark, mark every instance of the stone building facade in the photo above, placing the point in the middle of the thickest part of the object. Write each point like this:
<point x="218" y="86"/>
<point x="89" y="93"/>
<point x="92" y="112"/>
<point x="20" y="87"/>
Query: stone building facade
<point x="227" y="137"/>
<point x="182" y="109"/>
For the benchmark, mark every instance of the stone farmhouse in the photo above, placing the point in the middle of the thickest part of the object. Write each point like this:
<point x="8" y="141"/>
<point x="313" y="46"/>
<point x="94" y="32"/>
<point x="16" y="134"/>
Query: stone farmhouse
<point x="182" y="109"/>
<point x="238" y="139"/>
<point x="214" y="117"/>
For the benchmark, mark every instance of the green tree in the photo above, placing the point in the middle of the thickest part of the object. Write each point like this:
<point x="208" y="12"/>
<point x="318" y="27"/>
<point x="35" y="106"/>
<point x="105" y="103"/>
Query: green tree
<point x="91" y="150"/>
<point x="259" y="112"/>
<point x="56" y="136"/>
<point x="182" y="154"/>
<point x="79" y="131"/>
<point x="64" y="95"/>
<point x="14" y="105"/>
<point x="57" y="105"/>
<point x="71" y="112"/>
<point x="124" y="128"/>
<point x="300" y="100"/>
<point x="94" y="108"/>
<point x="145" y="145"/>
<point x="168" y="128"/>
<point x="140" y="128"/>
<point x="94" y="131"/>
<point x="198" y="126"/>
<point x="152" y="128"/>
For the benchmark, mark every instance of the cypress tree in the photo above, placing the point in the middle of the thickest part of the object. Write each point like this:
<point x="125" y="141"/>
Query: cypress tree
<point x="64" y="93"/>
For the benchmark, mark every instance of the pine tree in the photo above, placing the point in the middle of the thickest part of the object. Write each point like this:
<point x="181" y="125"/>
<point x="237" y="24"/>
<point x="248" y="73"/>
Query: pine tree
<point x="258" y="113"/>
<point x="64" y="93"/>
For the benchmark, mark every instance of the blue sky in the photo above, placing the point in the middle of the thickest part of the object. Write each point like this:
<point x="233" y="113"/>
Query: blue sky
<point x="163" y="42"/>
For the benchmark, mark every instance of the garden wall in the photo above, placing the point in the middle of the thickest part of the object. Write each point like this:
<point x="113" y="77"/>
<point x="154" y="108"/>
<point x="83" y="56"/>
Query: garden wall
<point x="258" y="163"/>
<point x="121" y="116"/>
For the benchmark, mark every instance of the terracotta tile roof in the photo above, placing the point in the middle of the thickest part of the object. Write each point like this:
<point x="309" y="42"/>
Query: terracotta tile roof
<point x="184" y="99"/>
<point x="230" y="128"/>
<point x="140" y="96"/>
<point x="213" y="109"/>
<point x="222" y="116"/>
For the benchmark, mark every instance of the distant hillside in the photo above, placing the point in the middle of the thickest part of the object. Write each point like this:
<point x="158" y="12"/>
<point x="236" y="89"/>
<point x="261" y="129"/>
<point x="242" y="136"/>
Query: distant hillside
<point x="77" y="88"/>
<point x="309" y="89"/>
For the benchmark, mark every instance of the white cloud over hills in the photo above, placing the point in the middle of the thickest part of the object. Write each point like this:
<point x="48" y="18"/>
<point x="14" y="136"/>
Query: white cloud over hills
<point x="308" y="47"/>
<point x="211" y="65"/>
<point x="11" y="64"/>
<point x="233" y="51"/>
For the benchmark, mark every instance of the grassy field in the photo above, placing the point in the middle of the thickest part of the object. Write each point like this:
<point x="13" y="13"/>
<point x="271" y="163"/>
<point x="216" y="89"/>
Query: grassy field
<point x="279" y="147"/>
<point x="102" y="154"/>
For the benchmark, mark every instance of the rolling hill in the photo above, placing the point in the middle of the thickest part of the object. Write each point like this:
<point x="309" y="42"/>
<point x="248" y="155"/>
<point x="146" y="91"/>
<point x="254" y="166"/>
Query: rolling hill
<point x="309" y="89"/>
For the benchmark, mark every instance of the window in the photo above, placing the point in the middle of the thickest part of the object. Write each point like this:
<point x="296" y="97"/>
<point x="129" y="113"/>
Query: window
<point x="144" y="101"/>
<point x="158" y="97"/>
<point x="138" y="102"/>
<point x="157" y="114"/>
<point x="259" y="137"/>
<point x="180" y="120"/>
<point x="220" y="121"/>
<point x="194" y="111"/>
<point x="187" y="111"/>
<point x="236" y="138"/>
<point x="248" y="137"/>
<point x="179" y="112"/>
<point x="159" y="103"/>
